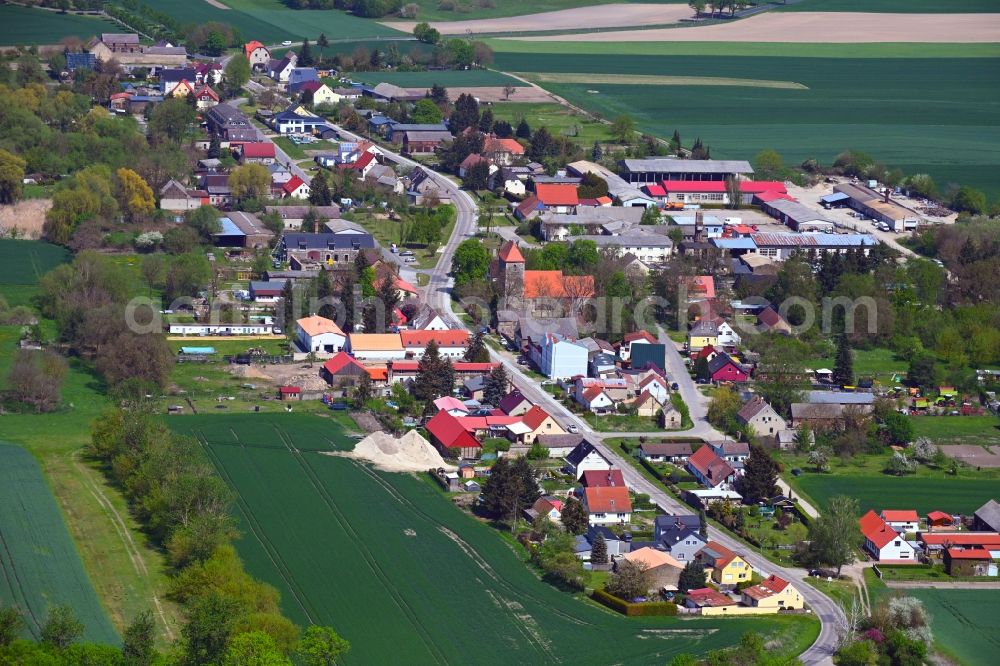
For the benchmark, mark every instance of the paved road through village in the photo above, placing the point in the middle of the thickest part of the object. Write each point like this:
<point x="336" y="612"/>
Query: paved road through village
<point x="438" y="295"/>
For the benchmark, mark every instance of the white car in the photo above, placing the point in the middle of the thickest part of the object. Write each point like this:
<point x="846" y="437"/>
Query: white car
<point x="572" y="428"/>
<point x="287" y="42"/>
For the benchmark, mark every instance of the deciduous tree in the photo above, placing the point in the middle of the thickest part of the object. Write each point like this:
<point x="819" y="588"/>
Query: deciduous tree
<point x="322" y="646"/>
<point x="834" y="535"/>
<point x="250" y="181"/>
<point x="574" y="517"/>
<point x="629" y="581"/>
<point x="61" y="628"/>
<point x="11" y="177"/>
<point x="138" y="641"/>
<point x="36" y="378"/>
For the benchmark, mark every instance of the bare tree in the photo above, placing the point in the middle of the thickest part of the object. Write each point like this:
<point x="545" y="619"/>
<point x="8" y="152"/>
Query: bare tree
<point x="35" y="379"/>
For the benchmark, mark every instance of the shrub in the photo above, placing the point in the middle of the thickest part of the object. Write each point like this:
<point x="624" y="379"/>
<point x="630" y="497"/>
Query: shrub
<point x="645" y="609"/>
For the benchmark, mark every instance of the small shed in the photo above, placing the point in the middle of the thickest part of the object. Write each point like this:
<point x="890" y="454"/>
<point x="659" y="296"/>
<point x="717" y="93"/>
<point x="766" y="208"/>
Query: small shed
<point x="290" y="393"/>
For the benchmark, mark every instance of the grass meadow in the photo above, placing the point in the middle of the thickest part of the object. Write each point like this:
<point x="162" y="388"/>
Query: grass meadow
<point x="556" y="117"/>
<point x="389" y="562"/>
<point x="965" y="623"/>
<point x="27" y="26"/>
<point x="958" y="429"/>
<point x="933" y="115"/>
<point x="447" y="78"/>
<point x="40" y="564"/>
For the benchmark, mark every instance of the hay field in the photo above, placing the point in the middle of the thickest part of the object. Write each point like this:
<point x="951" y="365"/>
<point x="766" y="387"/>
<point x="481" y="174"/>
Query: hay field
<point x="389" y="562"/>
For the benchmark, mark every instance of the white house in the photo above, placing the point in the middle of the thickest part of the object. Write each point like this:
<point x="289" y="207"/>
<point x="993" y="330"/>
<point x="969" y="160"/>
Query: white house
<point x="607" y="505"/>
<point x="426" y="319"/>
<point x="514" y="186"/>
<point x="451" y="343"/>
<point x="319" y="334"/>
<point x="884" y="543"/>
<point x="657" y="387"/>
<point x="596" y="399"/>
<point x="636" y="338"/>
<point x="561" y="357"/>
<point x="727" y="336"/>
<point x="585" y="458"/>
<point x="221" y="329"/>
<point x="904" y="521"/>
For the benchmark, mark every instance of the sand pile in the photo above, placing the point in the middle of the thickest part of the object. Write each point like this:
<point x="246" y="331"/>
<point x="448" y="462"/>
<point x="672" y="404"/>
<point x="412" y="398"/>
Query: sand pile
<point x="248" y="371"/>
<point x="409" y="453"/>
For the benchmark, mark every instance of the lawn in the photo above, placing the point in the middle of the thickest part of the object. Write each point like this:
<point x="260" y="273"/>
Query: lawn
<point x="271" y="21"/>
<point x="620" y="422"/>
<point x="29" y="26"/>
<point x="958" y="429"/>
<point x="447" y="78"/>
<point x="40" y="564"/>
<point x="557" y="118"/>
<point x="950" y="128"/>
<point x="297" y="151"/>
<point x="910" y="492"/>
<point x="396" y="569"/>
<point x="965" y="623"/>
<point x="882" y="363"/>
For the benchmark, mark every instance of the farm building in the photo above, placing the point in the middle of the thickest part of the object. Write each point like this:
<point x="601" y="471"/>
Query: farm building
<point x="671" y="452"/>
<point x="319" y="334"/>
<point x="796" y="216"/>
<point x="244" y="230"/>
<point x="654" y="170"/>
<point x="451" y="438"/>
<point x="877" y="206"/>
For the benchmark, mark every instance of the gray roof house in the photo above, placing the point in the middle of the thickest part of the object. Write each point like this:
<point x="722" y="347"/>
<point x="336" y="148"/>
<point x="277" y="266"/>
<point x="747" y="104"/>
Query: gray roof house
<point x="987" y="517"/>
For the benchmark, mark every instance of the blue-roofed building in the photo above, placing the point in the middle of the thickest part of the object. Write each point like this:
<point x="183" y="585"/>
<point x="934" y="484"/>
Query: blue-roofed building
<point x="780" y="246"/>
<point x="380" y="124"/>
<point x="735" y="246"/>
<point x="836" y="199"/>
<point x="839" y="398"/>
<point x="241" y="229"/>
<point x="75" y="61"/>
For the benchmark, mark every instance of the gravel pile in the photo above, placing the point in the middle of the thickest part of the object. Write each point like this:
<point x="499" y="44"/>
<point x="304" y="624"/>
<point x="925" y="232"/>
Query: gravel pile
<point x="409" y="453"/>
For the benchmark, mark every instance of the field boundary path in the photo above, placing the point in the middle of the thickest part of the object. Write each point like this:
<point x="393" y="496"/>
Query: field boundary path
<point x="942" y="585"/>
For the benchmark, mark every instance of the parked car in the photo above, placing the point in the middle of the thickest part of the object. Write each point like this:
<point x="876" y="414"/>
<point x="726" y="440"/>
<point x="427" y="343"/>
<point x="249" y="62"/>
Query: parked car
<point x="405" y="253"/>
<point x="572" y="428"/>
<point x="674" y="387"/>
<point x="409" y="260"/>
<point x="287" y="42"/>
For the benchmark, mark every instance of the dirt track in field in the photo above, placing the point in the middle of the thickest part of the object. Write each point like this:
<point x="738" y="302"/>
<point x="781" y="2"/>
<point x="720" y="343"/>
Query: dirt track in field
<point x="814" y="27"/>
<point x="656" y="80"/>
<point x="613" y="16"/>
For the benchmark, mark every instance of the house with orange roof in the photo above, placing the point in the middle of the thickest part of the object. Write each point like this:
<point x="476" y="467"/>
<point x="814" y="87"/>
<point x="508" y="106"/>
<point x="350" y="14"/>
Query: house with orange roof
<point x="452" y="343"/>
<point x="728" y="568"/>
<point x="663" y="569"/>
<point x="539" y="422"/>
<point x="596" y="400"/>
<point x="711" y="470"/>
<point x="375" y="346"/>
<point x="557" y="197"/>
<point x="501" y="152"/>
<point x="940" y="520"/>
<point x="319" y="335"/>
<point x="706" y="597"/>
<point x="541" y="294"/>
<point x="883" y="542"/>
<point x="773" y="593"/>
<point x="607" y="505"/>
<point x="257" y="54"/>
<point x="182" y="89"/>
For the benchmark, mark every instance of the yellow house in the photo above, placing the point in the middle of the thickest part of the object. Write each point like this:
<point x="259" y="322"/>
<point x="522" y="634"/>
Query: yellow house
<point x="727" y="568"/>
<point x="324" y="95"/>
<point x="773" y="593"/>
<point x="538" y="423"/>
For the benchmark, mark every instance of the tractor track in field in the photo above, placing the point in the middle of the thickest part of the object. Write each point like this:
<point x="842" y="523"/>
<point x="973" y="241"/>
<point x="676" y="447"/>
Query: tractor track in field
<point x="533" y="638"/>
<point x="366" y="553"/>
<point x="257" y="530"/>
<point x="464" y="545"/>
<point x="35" y="626"/>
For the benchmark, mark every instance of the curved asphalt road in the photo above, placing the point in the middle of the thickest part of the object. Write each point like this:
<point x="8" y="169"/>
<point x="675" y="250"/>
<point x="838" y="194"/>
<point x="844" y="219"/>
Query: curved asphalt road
<point x="438" y="294"/>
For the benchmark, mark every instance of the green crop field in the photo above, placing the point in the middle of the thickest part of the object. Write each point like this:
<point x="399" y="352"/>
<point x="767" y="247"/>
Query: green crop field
<point x="934" y="115"/>
<point x="397" y="570"/>
<point x="965" y="623"/>
<point x="886" y="492"/>
<point x="447" y="78"/>
<point x="24" y="25"/>
<point x="894" y="6"/>
<point x="39" y="563"/>
<point x="22" y="263"/>
<point x="478" y="9"/>
<point x="271" y="22"/>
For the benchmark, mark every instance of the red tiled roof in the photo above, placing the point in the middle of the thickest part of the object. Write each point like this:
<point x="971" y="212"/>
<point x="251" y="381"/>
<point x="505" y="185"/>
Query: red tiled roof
<point x="359" y="164"/>
<point x="495" y="145"/>
<point x="900" y="516"/>
<point x="771" y="195"/>
<point x="746" y="186"/>
<point x="468" y="366"/>
<point x="510" y="253"/>
<point x="655" y="190"/>
<point x="557" y="194"/>
<point x="876" y="530"/>
<point x="710" y="466"/>
<point x="705" y="352"/>
<point x="593" y="478"/>
<point x="706" y="596"/>
<point x="449" y="338"/>
<point x="969" y="554"/>
<point x="293" y="184"/>
<point x="725" y="556"/>
<point x="553" y="284"/>
<point x="937" y="516"/>
<point x="339" y="362"/>
<point x="378" y="374"/>
<point x="449" y="432"/>
<point x="206" y="90"/>
<point x="590" y="394"/>
<point x="991" y="539"/>
<point x="534" y="417"/>
<point x="289" y="390"/>
<point x="639" y="335"/>
<point x="607" y="499"/>
<point x="250" y="47"/>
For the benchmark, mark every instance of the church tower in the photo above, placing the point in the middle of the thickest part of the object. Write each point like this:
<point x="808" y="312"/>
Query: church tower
<point x="511" y="273"/>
